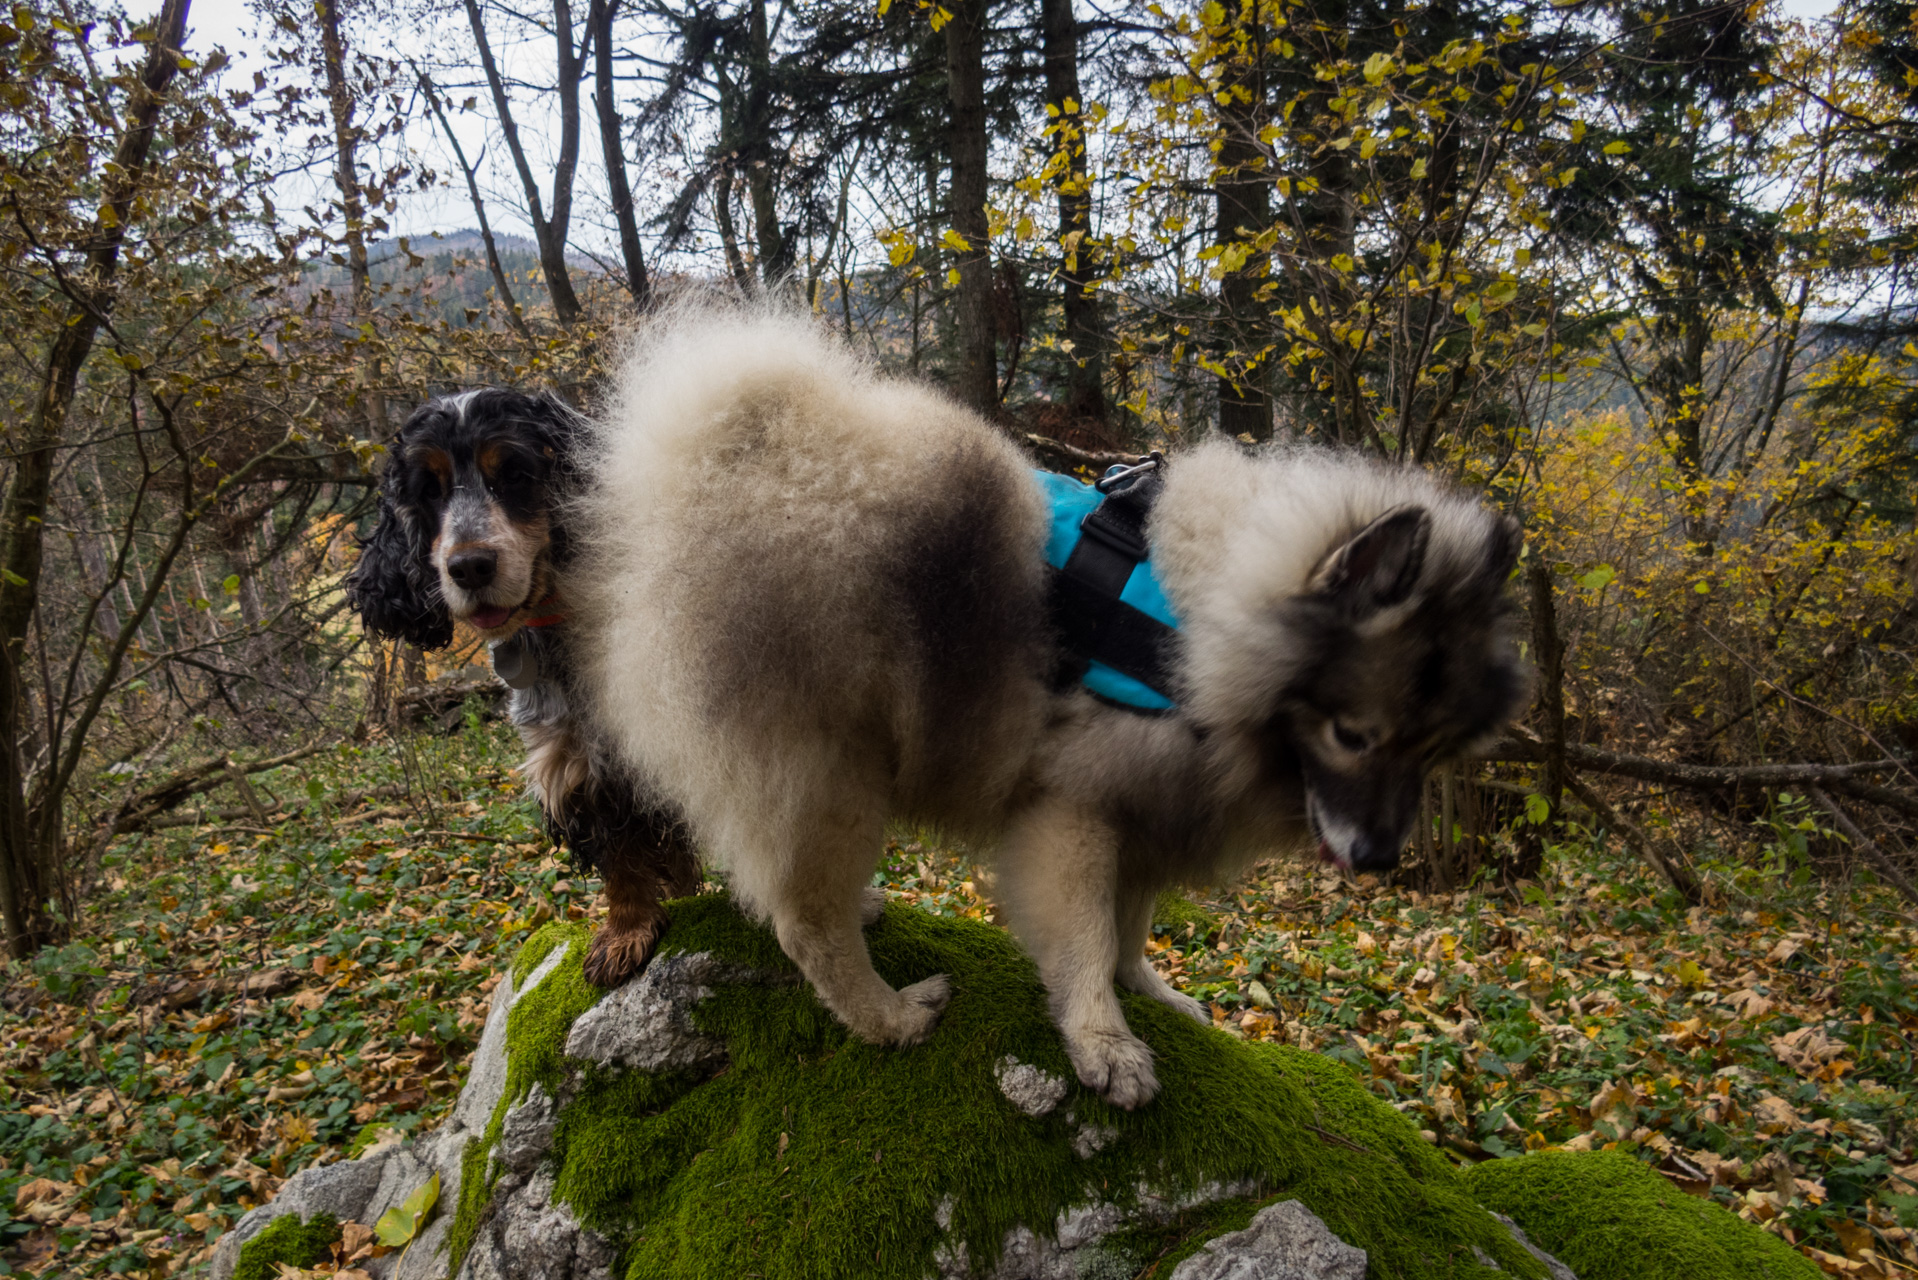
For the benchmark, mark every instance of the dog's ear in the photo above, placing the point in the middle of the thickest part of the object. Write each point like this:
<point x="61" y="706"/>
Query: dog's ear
<point x="1501" y="550"/>
<point x="1379" y="565"/>
<point x="560" y="427"/>
<point x="394" y="586"/>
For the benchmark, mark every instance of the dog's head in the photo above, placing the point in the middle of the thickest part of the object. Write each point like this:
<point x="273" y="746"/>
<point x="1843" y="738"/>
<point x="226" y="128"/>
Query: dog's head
<point x="466" y="527"/>
<point x="1404" y="661"/>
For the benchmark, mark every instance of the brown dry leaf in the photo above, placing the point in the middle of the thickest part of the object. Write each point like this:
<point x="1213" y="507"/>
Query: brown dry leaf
<point x="356" y="1240"/>
<point x="311" y="998"/>
<point x="1806" y="1049"/>
<point x="1613" y="1105"/>
<point x="42" y="1189"/>
<point x="1855" y="1236"/>
<point x="1775" y="1115"/>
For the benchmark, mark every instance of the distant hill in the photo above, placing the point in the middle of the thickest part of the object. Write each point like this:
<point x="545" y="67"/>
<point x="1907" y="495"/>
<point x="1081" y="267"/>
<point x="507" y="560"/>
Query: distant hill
<point x="466" y="242"/>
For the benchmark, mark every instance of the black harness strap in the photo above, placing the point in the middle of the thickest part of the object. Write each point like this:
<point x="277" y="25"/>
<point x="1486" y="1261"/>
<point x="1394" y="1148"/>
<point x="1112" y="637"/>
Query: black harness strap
<point x="1093" y="623"/>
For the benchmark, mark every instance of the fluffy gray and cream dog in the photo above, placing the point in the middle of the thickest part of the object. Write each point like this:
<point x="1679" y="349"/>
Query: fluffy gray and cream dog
<point x="812" y="599"/>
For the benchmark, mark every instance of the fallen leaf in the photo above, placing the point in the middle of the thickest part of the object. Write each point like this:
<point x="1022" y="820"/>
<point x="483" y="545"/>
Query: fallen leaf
<point x="402" y="1222"/>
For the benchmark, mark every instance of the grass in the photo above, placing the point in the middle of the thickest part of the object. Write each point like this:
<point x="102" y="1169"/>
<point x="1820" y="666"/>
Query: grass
<point x="1757" y="1054"/>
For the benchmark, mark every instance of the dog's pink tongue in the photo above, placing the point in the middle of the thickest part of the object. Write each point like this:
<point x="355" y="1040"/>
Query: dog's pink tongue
<point x="491" y="616"/>
<point x="1325" y="852"/>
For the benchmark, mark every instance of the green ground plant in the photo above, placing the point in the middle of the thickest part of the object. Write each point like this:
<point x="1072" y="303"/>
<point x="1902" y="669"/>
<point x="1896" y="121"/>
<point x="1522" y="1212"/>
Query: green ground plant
<point x="1756" y="1053"/>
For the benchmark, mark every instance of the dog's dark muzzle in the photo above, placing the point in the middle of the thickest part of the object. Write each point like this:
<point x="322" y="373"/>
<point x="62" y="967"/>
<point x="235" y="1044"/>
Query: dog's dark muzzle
<point x="1365" y="819"/>
<point x="1371" y="853"/>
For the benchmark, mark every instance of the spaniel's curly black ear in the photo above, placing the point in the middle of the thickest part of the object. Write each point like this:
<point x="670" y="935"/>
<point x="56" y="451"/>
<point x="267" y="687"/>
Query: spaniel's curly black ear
<point x="394" y="586"/>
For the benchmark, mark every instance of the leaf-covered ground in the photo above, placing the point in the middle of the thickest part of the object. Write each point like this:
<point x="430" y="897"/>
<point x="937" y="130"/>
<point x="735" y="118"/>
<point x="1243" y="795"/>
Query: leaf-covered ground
<point x="242" y="1002"/>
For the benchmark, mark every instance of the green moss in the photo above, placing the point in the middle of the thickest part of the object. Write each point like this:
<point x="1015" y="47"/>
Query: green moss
<point x="535" y="1039"/>
<point x="1174" y="913"/>
<point x="814" y="1154"/>
<point x="289" y="1240"/>
<point x="1608" y="1217"/>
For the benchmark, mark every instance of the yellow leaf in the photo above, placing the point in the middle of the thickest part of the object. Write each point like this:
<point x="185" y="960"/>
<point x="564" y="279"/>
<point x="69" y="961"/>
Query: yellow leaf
<point x="1418" y="167"/>
<point x="1618" y="148"/>
<point x="1367" y="148"/>
<point x="401" y="1223"/>
<point x="953" y="240"/>
<point x="952" y="277"/>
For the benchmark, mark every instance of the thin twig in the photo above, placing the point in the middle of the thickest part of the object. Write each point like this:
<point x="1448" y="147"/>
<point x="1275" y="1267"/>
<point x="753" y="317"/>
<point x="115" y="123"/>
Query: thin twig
<point x="1860" y="842"/>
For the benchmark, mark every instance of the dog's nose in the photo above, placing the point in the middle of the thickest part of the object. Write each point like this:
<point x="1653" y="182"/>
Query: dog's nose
<point x="1369" y="853"/>
<point x="472" y="569"/>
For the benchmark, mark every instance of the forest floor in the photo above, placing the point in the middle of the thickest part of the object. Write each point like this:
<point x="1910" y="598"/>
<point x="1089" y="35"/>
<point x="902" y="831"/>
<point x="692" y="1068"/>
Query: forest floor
<point x="240" y="1002"/>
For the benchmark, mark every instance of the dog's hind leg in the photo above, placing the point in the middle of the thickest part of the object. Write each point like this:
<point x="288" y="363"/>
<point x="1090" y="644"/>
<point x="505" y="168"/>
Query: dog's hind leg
<point x="1135" y="971"/>
<point x="816" y="896"/>
<point x="1059" y="884"/>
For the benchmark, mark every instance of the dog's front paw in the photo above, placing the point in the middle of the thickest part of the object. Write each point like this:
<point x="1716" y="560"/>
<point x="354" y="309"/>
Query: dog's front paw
<point x="617" y="955"/>
<point x="919" y="1008"/>
<point x="1118" y="1067"/>
<point x="1185" y="1004"/>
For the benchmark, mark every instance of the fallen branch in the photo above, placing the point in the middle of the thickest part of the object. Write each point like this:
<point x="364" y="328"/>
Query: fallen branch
<point x="345" y="800"/>
<point x="444" y="693"/>
<point x="139" y="810"/>
<point x="1872" y="793"/>
<point x="271" y="982"/>
<point x="1872" y="852"/>
<point x="1637" y="840"/>
<point x="1709" y="776"/>
<point x="1097" y="458"/>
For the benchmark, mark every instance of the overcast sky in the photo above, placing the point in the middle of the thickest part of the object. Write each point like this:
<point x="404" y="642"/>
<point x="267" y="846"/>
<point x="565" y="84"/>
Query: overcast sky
<point x="227" y="23"/>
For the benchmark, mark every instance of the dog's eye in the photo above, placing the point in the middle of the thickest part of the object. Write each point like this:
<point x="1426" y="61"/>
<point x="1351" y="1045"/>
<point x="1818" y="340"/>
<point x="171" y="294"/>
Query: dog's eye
<point x="1350" y="739"/>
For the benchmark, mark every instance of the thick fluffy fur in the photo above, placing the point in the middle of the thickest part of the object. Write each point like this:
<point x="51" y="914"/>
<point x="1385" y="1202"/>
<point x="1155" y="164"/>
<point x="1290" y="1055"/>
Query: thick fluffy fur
<point x="468" y="529"/>
<point x="812" y="599"/>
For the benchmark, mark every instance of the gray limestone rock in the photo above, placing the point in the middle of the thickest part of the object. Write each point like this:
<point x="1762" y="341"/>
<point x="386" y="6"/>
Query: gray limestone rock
<point x="363" y="1189"/>
<point x="1076" y="1248"/>
<point x="647" y="1025"/>
<point x="342" y="1189"/>
<point x="1033" y="1091"/>
<point x="1285" y="1241"/>
<point x="526" y="1131"/>
<point x="1558" y="1270"/>
<point x="528" y="1237"/>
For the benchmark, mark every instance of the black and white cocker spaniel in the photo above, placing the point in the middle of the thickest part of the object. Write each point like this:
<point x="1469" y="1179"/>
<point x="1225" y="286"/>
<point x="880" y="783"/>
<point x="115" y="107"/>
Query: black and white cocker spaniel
<point x="470" y="529"/>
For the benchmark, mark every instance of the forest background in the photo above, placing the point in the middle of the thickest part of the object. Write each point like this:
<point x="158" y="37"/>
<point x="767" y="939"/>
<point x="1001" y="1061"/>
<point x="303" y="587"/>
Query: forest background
<point x="1641" y="274"/>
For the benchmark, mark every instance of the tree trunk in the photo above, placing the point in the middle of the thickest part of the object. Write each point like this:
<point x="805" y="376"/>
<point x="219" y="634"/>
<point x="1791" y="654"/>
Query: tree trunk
<point x="1085" y="375"/>
<point x="493" y="265"/>
<point x="30" y="833"/>
<point x="1548" y="651"/>
<point x="346" y="176"/>
<point x="976" y="378"/>
<point x="550" y="233"/>
<point x="1242" y="191"/>
<point x="757" y="153"/>
<point x="621" y="191"/>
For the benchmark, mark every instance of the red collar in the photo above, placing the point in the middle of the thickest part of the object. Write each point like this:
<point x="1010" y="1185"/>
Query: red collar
<point x="552" y="619"/>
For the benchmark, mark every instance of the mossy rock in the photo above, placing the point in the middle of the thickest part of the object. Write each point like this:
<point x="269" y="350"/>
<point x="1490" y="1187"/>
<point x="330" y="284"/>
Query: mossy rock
<point x="1608" y="1217"/>
<point x="1174" y="914"/>
<point x="288" y="1240"/>
<point x="807" y="1153"/>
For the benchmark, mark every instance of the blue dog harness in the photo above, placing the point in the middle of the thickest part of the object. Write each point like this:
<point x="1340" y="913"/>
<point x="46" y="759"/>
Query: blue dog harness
<point x="1113" y="619"/>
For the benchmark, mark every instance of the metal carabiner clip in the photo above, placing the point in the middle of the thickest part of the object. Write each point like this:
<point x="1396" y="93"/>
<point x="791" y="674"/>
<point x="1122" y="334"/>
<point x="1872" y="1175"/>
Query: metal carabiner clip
<point x="1118" y="475"/>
